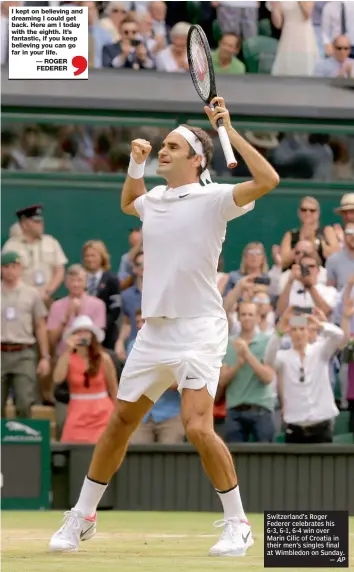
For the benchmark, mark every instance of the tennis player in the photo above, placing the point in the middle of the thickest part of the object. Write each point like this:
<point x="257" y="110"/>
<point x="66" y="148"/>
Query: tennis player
<point x="185" y="334"/>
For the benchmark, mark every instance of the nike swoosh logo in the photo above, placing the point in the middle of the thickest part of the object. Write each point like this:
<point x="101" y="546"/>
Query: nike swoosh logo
<point x="245" y="538"/>
<point x="182" y="196"/>
<point x="190" y="377"/>
<point x="83" y="532"/>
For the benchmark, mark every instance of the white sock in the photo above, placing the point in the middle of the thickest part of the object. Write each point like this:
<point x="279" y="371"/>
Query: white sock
<point x="90" y="496"/>
<point x="232" y="504"/>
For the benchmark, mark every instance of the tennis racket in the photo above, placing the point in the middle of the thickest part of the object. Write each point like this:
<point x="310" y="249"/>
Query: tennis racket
<point x="203" y="76"/>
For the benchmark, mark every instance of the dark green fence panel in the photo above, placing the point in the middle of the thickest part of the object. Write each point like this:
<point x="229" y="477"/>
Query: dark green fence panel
<point x="271" y="477"/>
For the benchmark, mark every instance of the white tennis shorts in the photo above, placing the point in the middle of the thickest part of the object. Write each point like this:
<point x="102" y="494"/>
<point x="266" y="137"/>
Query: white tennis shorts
<point x="188" y="351"/>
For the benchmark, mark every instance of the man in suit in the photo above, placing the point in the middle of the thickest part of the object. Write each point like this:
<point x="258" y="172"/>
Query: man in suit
<point x="103" y="284"/>
<point x="130" y="52"/>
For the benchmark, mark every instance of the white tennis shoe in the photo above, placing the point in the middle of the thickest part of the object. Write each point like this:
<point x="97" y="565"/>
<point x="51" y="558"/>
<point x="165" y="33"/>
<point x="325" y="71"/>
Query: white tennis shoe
<point x="75" y="528"/>
<point x="235" y="540"/>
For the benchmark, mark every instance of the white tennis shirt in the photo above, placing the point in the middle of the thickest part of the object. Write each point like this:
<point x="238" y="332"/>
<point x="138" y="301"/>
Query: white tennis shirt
<point x="183" y="232"/>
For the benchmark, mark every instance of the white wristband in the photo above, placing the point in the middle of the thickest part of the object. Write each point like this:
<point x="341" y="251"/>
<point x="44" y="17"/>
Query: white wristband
<point x="136" y="170"/>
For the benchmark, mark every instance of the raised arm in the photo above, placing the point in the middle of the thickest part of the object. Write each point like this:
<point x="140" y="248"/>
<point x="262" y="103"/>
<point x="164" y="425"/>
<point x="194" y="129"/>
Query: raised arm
<point x="265" y="178"/>
<point x="307" y="9"/>
<point x="286" y="252"/>
<point x="134" y="185"/>
<point x="331" y="244"/>
<point x="348" y="313"/>
<point x="333" y="337"/>
<point x="276" y="14"/>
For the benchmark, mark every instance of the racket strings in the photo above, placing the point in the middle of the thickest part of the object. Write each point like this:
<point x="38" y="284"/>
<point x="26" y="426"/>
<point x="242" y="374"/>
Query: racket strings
<point x="199" y="67"/>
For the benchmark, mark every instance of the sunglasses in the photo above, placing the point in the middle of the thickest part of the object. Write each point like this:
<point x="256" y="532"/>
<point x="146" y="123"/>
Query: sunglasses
<point x="342" y="48"/>
<point x="118" y="11"/>
<point x="128" y="32"/>
<point x="308" y="210"/>
<point x="254" y="251"/>
<point x="302" y="375"/>
<point x="261" y="300"/>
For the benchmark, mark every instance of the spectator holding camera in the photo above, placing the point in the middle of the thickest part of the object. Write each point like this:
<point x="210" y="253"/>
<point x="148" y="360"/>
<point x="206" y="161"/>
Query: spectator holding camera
<point x="303" y="288"/>
<point x="340" y="266"/>
<point x="304" y="385"/>
<point x="247" y="383"/>
<point x="130" y="52"/>
<point x="280" y="279"/>
<point x="253" y="262"/>
<point x="92" y="381"/>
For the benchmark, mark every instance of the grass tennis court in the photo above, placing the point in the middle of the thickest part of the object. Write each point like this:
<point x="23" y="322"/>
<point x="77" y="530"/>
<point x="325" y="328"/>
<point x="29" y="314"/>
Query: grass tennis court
<point x="129" y="541"/>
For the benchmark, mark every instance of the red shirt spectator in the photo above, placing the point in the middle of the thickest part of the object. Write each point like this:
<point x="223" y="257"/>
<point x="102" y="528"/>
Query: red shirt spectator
<point x="92" y="381"/>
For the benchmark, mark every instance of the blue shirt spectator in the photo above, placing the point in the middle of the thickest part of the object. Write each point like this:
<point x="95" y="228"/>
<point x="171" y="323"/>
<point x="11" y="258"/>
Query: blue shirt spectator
<point x="131" y="302"/>
<point x="339" y="64"/>
<point x="166" y="407"/>
<point x="126" y="262"/>
<point x="253" y="261"/>
<point x="330" y="67"/>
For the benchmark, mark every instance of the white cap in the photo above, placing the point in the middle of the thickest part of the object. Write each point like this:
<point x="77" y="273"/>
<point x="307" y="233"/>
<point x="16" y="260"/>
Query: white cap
<point x="85" y="323"/>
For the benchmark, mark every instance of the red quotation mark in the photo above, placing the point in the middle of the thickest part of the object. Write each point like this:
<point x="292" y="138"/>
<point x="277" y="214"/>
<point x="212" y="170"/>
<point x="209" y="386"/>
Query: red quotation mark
<point x="80" y="63"/>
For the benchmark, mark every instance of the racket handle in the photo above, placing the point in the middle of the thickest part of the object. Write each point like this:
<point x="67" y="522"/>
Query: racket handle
<point x="226" y="146"/>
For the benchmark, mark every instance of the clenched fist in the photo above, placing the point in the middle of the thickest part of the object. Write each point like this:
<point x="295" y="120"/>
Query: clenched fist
<point x="141" y="149"/>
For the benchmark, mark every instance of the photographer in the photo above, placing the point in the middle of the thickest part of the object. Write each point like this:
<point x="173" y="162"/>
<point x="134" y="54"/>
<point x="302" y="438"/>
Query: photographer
<point x="91" y="377"/>
<point x="304" y="386"/>
<point x="303" y="288"/>
<point x="130" y="52"/>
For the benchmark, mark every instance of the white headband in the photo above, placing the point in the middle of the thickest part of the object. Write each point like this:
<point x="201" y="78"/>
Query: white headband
<point x="197" y="147"/>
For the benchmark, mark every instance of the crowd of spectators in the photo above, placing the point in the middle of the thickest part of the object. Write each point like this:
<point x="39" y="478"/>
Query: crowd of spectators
<point x="288" y="373"/>
<point x="284" y="38"/>
<point x="92" y="149"/>
<point x="289" y="368"/>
